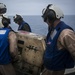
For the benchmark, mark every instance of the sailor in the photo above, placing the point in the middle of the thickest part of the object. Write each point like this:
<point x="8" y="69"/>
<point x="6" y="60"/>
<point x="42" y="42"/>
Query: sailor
<point x="22" y="24"/>
<point x="3" y="10"/>
<point x="60" y="42"/>
<point x="8" y="45"/>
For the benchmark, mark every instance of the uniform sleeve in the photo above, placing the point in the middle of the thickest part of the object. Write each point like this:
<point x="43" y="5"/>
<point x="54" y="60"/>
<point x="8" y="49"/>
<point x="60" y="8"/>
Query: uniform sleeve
<point x="13" y="44"/>
<point x="67" y="39"/>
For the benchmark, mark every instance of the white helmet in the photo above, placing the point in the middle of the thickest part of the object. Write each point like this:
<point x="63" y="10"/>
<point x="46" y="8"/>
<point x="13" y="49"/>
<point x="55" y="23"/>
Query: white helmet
<point x="52" y="12"/>
<point x="3" y="9"/>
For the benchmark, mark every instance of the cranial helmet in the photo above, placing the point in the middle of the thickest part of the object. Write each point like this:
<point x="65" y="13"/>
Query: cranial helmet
<point x="52" y="12"/>
<point x="3" y="8"/>
<point x="17" y="18"/>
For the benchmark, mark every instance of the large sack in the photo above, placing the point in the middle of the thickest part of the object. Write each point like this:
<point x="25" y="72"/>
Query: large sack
<point x="31" y="47"/>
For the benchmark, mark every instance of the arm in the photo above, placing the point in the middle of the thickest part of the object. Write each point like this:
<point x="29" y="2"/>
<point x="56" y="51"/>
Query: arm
<point x="67" y="38"/>
<point x="13" y="44"/>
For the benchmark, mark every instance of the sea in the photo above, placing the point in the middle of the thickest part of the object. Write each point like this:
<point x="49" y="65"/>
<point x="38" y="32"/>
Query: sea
<point x="37" y="24"/>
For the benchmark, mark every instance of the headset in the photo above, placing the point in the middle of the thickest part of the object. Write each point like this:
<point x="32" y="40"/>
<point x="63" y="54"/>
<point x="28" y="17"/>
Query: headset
<point x="5" y="21"/>
<point x="17" y="18"/>
<point x="52" y="12"/>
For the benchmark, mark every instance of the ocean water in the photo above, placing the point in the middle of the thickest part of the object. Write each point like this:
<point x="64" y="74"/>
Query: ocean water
<point x="38" y="26"/>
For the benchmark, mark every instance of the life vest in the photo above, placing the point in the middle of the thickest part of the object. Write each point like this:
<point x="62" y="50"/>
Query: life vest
<point x="21" y="26"/>
<point x="4" y="46"/>
<point x="55" y="59"/>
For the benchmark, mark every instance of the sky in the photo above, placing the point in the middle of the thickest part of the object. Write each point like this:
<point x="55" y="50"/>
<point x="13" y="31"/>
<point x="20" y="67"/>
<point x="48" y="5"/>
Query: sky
<point x="35" y="7"/>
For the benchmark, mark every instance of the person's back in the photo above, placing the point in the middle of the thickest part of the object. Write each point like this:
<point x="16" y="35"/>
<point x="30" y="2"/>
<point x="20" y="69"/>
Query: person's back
<point x="8" y="47"/>
<point x="7" y="51"/>
<point x="22" y="24"/>
<point x="60" y="43"/>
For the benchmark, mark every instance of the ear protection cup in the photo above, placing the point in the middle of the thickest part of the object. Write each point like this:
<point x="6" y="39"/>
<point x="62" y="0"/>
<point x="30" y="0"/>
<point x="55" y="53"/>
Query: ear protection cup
<point x="51" y="16"/>
<point x="5" y="21"/>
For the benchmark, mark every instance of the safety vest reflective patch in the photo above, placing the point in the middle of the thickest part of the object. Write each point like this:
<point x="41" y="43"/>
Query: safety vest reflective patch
<point x="55" y="59"/>
<point x="4" y="46"/>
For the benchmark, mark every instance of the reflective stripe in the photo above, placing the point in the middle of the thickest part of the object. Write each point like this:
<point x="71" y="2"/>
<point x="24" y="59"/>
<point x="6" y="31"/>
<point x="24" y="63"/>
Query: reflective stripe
<point x="2" y="31"/>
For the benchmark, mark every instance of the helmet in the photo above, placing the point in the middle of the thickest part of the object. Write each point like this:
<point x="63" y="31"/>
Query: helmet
<point x="3" y="8"/>
<point x="17" y="18"/>
<point x="52" y="12"/>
